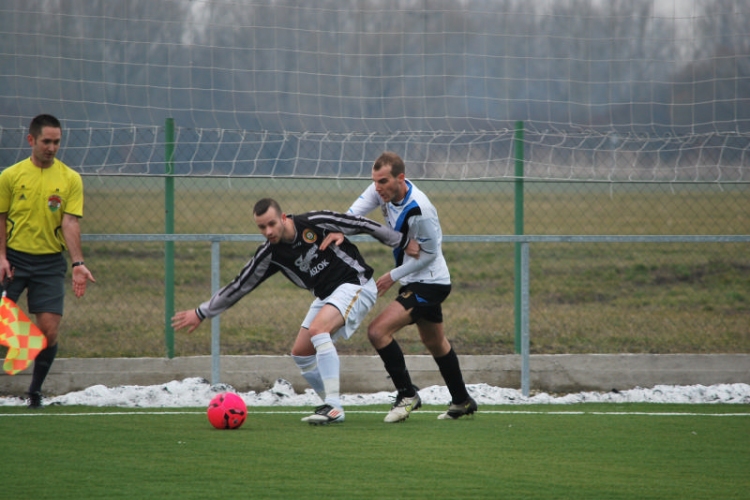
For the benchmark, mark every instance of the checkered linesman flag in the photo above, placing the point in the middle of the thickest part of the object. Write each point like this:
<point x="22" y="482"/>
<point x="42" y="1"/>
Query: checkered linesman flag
<point x="22" y="337"/>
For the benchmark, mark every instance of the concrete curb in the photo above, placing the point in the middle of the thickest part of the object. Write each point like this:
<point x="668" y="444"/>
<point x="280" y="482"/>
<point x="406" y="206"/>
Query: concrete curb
<point x="561" y="373"/>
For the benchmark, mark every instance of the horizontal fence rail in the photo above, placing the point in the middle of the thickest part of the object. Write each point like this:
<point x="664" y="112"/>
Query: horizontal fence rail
<point x="728" y="238"/>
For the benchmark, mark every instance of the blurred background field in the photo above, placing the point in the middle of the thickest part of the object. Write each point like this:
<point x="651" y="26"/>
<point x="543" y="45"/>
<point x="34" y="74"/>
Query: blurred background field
<point x="585" y="297"/>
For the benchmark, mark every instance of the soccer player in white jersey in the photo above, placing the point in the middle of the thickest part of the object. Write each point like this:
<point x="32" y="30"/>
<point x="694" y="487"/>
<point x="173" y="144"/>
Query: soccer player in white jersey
<point x="425" y="284"/>
<point x="338" y="277"/>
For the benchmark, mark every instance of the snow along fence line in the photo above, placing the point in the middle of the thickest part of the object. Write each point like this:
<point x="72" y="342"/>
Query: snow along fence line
<point x="558" y="373"/>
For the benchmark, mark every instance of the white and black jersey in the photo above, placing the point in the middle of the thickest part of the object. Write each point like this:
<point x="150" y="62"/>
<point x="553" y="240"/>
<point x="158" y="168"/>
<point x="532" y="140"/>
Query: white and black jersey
<point x="416" y="217"/>
<point x="303" y="263"/>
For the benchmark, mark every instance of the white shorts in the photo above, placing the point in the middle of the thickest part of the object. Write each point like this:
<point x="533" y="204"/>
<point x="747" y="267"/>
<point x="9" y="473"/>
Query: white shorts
<point x="353" y="301"/>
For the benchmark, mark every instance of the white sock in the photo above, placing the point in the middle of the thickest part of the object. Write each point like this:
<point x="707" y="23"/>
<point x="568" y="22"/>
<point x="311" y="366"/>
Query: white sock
<point x="308" y="365"/>
<point x="329" y="366"/>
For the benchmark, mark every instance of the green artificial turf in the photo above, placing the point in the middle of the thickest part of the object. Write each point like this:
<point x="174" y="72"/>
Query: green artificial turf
<point x="597" y="451"/>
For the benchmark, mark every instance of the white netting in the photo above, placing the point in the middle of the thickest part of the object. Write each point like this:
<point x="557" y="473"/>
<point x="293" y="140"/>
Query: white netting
<point x="549" y="155"/>
<point x="620" y="89"/>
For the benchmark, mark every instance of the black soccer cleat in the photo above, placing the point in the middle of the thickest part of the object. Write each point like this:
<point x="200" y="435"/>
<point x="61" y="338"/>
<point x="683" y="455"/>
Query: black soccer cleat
<point x="456" y="411"/>
<point x="35" y="401"/>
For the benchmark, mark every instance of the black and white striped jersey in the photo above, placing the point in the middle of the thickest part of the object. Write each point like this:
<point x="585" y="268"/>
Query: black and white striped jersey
<point x="303" y="263"/>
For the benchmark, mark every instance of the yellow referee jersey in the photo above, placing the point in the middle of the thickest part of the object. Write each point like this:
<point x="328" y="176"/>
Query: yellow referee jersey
<point x="35" y="200"/>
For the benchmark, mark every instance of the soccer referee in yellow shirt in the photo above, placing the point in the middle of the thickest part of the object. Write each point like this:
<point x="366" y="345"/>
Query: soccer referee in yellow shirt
<point x="41" y="200"/>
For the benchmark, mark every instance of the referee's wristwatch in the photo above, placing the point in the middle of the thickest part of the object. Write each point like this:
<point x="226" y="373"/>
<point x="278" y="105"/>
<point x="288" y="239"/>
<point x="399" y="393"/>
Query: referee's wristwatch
<point x="76" y="264"/>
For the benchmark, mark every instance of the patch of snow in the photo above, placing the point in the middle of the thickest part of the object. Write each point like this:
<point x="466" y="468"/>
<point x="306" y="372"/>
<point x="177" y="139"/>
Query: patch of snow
<point x="197" y="392"/>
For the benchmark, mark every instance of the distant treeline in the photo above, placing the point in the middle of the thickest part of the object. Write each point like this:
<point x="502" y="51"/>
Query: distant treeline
<point x="378" y="66"/>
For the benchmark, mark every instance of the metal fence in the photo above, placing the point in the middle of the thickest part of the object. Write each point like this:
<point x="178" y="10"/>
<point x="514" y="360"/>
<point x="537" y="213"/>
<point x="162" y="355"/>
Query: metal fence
<point x="523" y="316"/>
<point x="594" y="296"/>
<point x="669" y="295"/>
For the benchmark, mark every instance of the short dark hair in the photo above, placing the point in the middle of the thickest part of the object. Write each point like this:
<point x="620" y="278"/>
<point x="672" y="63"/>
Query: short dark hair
<point x="262" y="206"/>
<point x="392" y="159"/>
<point x="41" y="121"/>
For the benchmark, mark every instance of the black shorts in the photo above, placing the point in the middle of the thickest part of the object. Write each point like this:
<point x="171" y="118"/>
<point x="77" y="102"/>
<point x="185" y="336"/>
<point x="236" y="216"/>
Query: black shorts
<point x="43" y="277"/>
<point x="424" y="300"/>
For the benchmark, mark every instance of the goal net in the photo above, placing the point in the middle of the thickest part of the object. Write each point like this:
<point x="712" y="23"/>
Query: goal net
<point x="606" y="90"/>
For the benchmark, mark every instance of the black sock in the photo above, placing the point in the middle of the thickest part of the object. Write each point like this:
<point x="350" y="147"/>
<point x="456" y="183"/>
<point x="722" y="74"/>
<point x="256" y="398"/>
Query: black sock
<point x="451" y="372"/>
<point x="395" y="365"/>
<point x="42" y="364"/>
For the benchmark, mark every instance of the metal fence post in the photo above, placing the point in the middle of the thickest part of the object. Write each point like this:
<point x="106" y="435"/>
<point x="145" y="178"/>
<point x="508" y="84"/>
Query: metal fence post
<point x="525" y="382"/>
<point x="215" y="325"/>
<point x="169" y="141"/>
<point x="518" y="220"/>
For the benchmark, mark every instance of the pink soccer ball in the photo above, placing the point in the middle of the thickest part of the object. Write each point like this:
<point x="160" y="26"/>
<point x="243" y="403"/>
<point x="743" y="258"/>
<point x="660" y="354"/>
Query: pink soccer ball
<point x="227" y="411"/>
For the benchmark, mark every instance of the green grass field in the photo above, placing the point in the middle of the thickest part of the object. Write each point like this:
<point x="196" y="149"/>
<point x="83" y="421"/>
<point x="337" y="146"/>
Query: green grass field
<point x="586" y="451"/>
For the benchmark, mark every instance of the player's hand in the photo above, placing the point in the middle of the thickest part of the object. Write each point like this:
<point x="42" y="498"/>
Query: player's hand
<point x="337" y="238"/>
<point x="187" y="318"/>
<point x="81" y="277"/>
<point x="412" y="249"/>
<point x="6" y="272"/>
<point x="384" y="283"/>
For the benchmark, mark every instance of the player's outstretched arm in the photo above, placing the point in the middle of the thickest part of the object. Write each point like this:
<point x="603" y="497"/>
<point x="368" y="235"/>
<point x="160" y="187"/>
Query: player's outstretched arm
<point x="353" y="224"/>
<point x="412" y="248"/>
<point x="184" y="319"/>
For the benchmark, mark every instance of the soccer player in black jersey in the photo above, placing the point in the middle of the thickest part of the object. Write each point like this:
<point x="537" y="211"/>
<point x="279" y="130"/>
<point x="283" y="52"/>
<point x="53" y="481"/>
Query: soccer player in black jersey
<point x="338" y="277"/>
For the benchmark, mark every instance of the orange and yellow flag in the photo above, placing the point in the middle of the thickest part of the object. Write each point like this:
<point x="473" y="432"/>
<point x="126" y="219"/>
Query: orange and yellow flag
<point x="22" y="337"/>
